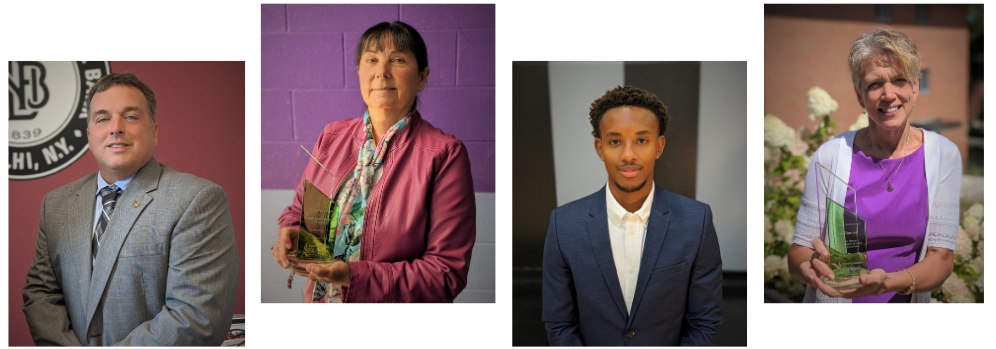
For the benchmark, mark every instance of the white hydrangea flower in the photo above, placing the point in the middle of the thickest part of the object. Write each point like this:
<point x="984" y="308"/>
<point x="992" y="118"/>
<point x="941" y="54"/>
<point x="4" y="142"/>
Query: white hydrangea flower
<point x="971" y="225"/>
<point x="978" y="283"/>
<point x="776" y="182"/>
<point x="793" y="174"/>
<point x="771" y="265"/>
<point x="956" y="291"/>
<point x="934" y="300"/>
<point x="963" y="298"/>
<point x="775" y="160"/>
<point x="776" y="133"/>
<point x="970" y="221"/>
<point x="800" y="185"/>
<point x="767" y="231"/>
<point x="783" y="268"/>
<point x="784" y="230"/>
<point x="976" y="211"/>
<point x="795" y="180"/>
<point x="805" y="161"/>
<point x="861" y="123"/>
<point x="820" y="103"/>
<point x="974" y="232"/>
<point x="978" y="264"/>
<point x="798" y="147"/>
<point x="963" y="245"/>
<point x="767" y="155"/>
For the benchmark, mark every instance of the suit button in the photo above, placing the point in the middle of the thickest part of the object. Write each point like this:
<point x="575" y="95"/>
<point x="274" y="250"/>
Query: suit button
<point x="630" y="334"/>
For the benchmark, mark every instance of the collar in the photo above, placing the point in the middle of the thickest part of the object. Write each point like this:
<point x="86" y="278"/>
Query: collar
<point x="121" y="183"/>
<point x="400" y="138"/>
<point x="618" y="215"/>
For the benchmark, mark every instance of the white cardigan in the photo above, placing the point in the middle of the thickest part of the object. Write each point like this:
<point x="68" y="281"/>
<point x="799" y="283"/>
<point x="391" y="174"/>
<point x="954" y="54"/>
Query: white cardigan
<point x="942" y="164"/>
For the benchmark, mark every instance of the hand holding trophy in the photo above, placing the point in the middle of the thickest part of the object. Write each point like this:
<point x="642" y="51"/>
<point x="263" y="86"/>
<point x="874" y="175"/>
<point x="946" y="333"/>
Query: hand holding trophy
<point x="316" y="236"/>
<point x="845" y="257"/>
<point x="312" y="242"/>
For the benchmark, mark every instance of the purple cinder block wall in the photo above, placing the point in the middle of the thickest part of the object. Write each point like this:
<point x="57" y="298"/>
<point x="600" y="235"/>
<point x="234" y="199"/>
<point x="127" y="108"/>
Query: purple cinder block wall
<point x="309" y="78"/>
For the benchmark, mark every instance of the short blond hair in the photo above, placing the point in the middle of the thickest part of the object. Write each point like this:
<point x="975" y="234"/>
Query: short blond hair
<point x="889" y="42"/>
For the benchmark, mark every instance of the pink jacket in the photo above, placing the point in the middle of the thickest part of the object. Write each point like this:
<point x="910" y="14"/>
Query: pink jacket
<point x="417" y="243"/>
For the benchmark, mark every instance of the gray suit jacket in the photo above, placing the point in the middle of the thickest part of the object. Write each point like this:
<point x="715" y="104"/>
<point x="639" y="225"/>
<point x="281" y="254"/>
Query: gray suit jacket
<point x="167" y="271"/>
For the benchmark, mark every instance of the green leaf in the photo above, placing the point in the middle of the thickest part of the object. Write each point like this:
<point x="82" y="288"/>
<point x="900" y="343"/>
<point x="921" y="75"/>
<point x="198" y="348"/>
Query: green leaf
<point x="797" y="162"/>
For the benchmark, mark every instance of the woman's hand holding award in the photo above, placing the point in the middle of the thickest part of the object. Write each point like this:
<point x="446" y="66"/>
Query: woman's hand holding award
<point x="843" y="231"/>
<point x="316" y="236"/>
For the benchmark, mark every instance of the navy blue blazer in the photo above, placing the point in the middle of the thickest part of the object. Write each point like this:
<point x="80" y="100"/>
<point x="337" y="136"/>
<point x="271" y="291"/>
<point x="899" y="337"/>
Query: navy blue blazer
<point x="678" y="289"/>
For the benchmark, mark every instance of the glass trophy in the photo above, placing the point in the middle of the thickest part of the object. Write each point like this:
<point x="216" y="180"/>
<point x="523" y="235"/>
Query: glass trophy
<point x="843" y="233"/>
<point x="316" y="235"/>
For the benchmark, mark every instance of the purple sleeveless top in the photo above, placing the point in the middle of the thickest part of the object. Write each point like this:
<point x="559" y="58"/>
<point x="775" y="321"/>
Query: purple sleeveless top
<point x="896" y="222"/>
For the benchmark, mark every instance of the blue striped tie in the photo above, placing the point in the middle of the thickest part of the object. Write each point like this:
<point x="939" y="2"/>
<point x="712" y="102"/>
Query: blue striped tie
<point x="108" y="195"/>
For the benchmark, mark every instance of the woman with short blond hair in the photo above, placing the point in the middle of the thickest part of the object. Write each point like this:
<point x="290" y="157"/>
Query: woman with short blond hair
<point x="905" y="180"/>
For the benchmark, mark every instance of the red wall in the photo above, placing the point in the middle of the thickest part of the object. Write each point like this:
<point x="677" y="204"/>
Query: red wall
<point x="201" y="116"/>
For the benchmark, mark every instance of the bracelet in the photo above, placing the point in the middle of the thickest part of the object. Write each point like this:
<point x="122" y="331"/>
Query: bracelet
<point x="909" y="290"/>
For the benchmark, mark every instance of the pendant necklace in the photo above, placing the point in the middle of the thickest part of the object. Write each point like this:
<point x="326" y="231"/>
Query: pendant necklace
<point x="905" y="152"/>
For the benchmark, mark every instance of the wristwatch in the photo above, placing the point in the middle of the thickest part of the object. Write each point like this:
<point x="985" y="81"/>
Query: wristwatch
<point x="909" y="290"/>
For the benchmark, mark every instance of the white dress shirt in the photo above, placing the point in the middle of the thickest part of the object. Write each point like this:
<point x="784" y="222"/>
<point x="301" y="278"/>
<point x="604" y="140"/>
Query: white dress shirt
<point x="627" y="232"/>
<point x="98" y="209"/>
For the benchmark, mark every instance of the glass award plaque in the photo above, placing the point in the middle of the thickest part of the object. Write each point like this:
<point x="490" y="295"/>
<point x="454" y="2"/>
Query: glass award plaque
<point x="316" y="235"/>
<point x="842" y="232"/>
<point x="847" y="245"/>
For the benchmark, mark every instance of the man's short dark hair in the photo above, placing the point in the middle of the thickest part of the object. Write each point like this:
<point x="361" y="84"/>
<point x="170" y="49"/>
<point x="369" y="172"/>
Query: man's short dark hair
<point x="127" y="79"/>
<point x="627" y="96"/>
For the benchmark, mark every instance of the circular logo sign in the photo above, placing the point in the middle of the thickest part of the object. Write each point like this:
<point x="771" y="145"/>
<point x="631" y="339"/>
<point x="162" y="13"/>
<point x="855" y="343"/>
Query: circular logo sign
<point x="48" y="115"/>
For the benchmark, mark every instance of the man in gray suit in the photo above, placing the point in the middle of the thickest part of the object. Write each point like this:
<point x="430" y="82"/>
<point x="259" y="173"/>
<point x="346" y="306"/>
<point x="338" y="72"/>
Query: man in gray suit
<point x="137" y="253"/>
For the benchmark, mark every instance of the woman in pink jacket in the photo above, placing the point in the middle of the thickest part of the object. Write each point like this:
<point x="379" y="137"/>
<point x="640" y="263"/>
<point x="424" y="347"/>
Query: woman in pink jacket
<point x="406" y="222"/>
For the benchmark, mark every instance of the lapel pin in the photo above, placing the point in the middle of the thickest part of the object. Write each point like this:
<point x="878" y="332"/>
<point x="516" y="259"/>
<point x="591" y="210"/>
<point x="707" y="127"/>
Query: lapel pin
<point x="136" y="204"/>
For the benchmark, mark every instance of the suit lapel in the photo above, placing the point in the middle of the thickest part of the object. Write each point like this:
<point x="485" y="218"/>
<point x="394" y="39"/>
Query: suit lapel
<point x="598" y="234"/>
<point x="82" y="221"/>
<point x="652" y="245"/>
<point x="122" y="219"/>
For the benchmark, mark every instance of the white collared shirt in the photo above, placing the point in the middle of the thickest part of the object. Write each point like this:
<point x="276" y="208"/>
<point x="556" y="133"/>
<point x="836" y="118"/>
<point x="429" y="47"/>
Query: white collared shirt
<point x="627" y="232"/>
<point x="99" y="207"/>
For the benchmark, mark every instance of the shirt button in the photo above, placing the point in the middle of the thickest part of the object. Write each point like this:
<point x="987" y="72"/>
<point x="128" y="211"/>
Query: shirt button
<point x="631" y="271"/>
<point x="630" y="334"/>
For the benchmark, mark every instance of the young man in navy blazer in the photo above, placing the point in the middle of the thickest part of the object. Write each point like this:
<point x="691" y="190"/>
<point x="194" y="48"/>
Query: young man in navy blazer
<point x="632" y="264"/>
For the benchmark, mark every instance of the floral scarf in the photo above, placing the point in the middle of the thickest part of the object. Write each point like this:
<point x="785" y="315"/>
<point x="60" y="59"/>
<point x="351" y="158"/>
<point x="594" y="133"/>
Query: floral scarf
<point x="350" y="228"/>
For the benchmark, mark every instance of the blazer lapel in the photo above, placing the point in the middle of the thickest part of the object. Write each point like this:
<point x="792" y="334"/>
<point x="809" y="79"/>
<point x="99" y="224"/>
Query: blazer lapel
<point x="82" y="221"/>
<point x="122" y="219"/>
<point x="598" y="234"/>
<point x="653" y="244"/>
